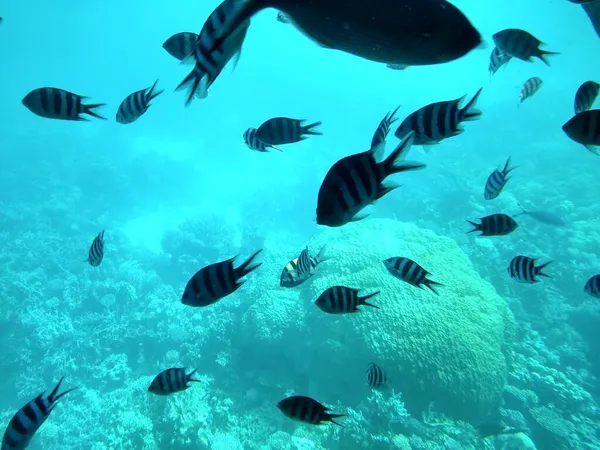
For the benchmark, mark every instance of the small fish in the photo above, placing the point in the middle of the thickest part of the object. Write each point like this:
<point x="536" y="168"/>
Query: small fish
<point x="397" y="66"/>
<point x="181" y="45"/>
<point x="306" y="409"/>
<point x="281" y="17"/>
<point x="300" y="269"/>
<point x="530" y="87"/>
<point x="96" y="253"/>
<point x="253" y="143"/>
<point x="497" y="60"/>
<point x="54" y="103"/>
<point x="495" y="429"/>
<point x="411" y="272"/>
<point x="584" y="128"/>
<point x="171" y="380"/>
<point x="438" y="121"/>
<point x="381" y="133"/>
<point x="592" y="286"/>
<point x="375" y="375"/>
<point x="586" y="96"/>
<point x="283" y="130"/>
<point x="136" y="104"/>
<point x="343" y="300"/>
<point x="521" y="44"/>
<point x="356" y="181"/>
<point x="543" y="216"/>
<point x="523" y="269"/>
<point x="377" y="31"/>
<point x="495" y="225"/>
<point x="216" y="281"/>
<point x="496" y="181"/>
<point x="27" y="420"/>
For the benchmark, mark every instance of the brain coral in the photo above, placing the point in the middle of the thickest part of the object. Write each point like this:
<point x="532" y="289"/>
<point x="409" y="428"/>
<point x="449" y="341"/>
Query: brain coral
<point x="447" y="348"/>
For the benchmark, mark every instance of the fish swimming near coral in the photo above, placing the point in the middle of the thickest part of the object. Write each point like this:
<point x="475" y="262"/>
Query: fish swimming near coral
<point x="486" y="430"/>
<point x="216" y="281"/>
<point x="524" y="269"/>
<point x="96" y="252"/>
<point x="497" y="181"/>
<point x="54" y="103"/>
<point x="171" y="381"/>
<point x="307" y="410"/>
<point x="343" y="300"/>
<point x="410" y="272"/>
<point x="375" y="375"/>
<point x="27" y="420"/>
<point x="494" y="225"/>
<point x="543" y="216"/>
<point x="300" y="269"/>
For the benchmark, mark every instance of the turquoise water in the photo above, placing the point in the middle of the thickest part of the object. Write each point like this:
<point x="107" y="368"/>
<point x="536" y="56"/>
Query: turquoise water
<point x="177" y="190"/>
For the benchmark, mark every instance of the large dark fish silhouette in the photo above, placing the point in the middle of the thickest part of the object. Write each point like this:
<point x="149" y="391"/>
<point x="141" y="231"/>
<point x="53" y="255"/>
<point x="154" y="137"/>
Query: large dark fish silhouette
<point x="592" y="9"/>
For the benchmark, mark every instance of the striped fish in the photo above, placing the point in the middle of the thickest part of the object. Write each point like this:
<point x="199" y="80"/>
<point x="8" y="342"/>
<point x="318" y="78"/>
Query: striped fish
<point x="216" y="281"/>
<point x="27" y="420"/>
<point x="255" y="144"/>
<point x="136" y="104"/>
<point x="96" y="253"/>
<point x="584" y="128"/>
<point x="375" y="375"/>
<point x="306" y="409"/>
<point x="496" y="181"/>
<point x="284" y="130"/>
<point x="521" y="44"/>
<point x="300" y="269"/>
<point x="171" y="380"/>
<point x="523" y="269"/>
<point x="210" y="59"/>
<point x="54" y="103"/>
<point x="181" y="45"/>
<point x="494" y="225"/>
<point x="356" y="181"/>
<point x="409" y="271"/>
<point x="497" y="60"/>
<point x="592" y="286"/>
<point x="586" y="96"/>
<point x="343" y="300"/>
<point x="530" y="87"/>
<point x="381" y="133"/>
<point x="438" y="121"/>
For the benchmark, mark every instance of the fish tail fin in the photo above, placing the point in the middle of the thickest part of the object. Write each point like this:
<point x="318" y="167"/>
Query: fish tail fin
<point x="507" y="168"/>
<point x="89" y="109"/>
<point x="322" y="255"/>
<point x="191" y="374"/>
<point x="476" y="227"/>
<point x="238" y="12"/>
<point x="330" y="418"/>
<point x="469" y="112"/>
<point x="363" y="300"/>
<point x="538" y="270"/>
<point x="192" y="82"/>
<point x="544" y="56"/>
<point x="431" y="285"/>
<point x="245" y="268"/>
<point x="152" y="94"/>
<point x="390" y="164"/>
<point x="309" y="129"/>
<point x="55" y="396"/>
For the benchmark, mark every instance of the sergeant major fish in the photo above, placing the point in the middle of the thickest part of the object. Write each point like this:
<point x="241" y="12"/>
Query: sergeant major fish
<point x="530" y="87"/>
<point x="495" y="225"/>
<point x="285" y="130"/>
<point x="216" y="281"/>
<point x="356" y="181"/>
<point x="410" y="272"/>
<point x="521" y="44"/>
<point x="496" y="181"/>
<point x="306" y="409"/>
<point x="27" y="420"/>
<point x="586" y="96"/>
<point x="376" y="377"/>
<point x="54" y="103"/>
<point x="584" y="128"/>
<point x="256" y="144"/>
<point x="136" y="104"/>
<point x="172" y="380"/>
<point x="497" y="60"/>
<point x="96" y="252"/>
<point x="592" y="286"/>
<point x="524" y="270"/>
<point x="300" y="269"/>
<point x="438" y="121"/>
<point x="343" y="300"/>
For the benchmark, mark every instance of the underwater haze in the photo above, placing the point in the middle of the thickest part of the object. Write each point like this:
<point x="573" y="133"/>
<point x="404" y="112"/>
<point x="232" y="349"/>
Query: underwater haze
<point x="168" y="238"/>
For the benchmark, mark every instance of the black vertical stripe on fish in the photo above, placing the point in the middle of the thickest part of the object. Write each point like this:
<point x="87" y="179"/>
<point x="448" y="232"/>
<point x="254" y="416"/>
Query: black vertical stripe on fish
<point x="306" y="409"/>
<point x="530" y="87"/>
<point x="586" y="96"/>
<point x="27" y="420"/>
<point x="592" y="286"/>
<point x="284" y="130"/>
<point x="496" y="181"/>
<point x="343" y="300"/>
<point x="181" y="45"/>
<point x="411" y="272"/>
<point x="495" y="225"/>
<point x="497" y="60"/>
<point x="438" y="121"/>
<point x="356" y="181"/>
<point x="216" y="281"/>
<point x="381" y="133"/>
<point x="377" y="31"/>
<point x="584" y="128"/>
<point x="96" y="252"/>
<point x="54" y="103"/>
<point x="521" y="44"/>
<point x="256" y="144"/>
<point x="292" y="276"/>
<point x="376" y="376"/>
<point x="136" y="104"/>
<point x="523" y="269"/>
<point x="172" y="380"/>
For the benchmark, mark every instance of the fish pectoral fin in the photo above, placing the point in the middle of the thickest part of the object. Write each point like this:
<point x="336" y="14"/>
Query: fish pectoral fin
<point x="593" y="148"/>
<point x="360" y="217"/>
